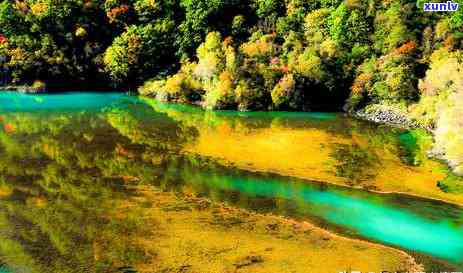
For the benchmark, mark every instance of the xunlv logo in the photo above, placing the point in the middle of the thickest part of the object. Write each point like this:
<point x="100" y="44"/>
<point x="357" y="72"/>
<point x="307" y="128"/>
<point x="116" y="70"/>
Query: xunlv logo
<point x="448" y="6"/>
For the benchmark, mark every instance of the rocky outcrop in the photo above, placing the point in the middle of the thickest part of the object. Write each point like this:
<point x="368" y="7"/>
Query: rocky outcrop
<point x="33" y="89"/>
<point x="388" y="115"/>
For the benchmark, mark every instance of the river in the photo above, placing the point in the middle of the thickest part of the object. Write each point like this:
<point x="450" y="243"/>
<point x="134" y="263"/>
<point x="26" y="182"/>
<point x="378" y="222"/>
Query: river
<point x="67" y="162"/>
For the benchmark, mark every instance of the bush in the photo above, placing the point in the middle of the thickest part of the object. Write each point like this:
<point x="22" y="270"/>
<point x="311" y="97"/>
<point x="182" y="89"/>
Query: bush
<point x="39" y="86"/>
<point x="221" y="94"/>
<point x="283" y="91"/>
<point x="441" y="105"/>
<point x="449" y="132"/>
<point x="249" y="96"/>
<point x="309" y="65"/>
<point x="140" y="50"/>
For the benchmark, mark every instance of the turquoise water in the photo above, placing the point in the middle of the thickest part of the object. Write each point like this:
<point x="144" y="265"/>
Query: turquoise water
<point x="77" y="152"/>
<point x="259" y="114"/>
<point x="415" y="224"/>
<point x="13" y="101"/>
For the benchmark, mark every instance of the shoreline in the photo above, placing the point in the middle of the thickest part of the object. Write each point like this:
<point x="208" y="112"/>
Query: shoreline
<point x="414" y="265"/>
<point x="388" y="117"/>
<point x="26" y="89"/>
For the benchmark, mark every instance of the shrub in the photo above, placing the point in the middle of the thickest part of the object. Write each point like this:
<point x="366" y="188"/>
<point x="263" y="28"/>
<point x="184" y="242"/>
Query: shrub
<point x="442" y="105"/>
<point x="38" y="86"/>
<point x="151" y="87"/>
<point x="449" y="131"/>
<point x="390" y="29"/>
<point x="260" y="49"/>
<point x="283" y="91"/>
<point x="249" y="96"/>
<point x="309" y="65"/>
<point x="221" y="93"/>
<point x="139" y="51"/>
<point x="316" y="25"/>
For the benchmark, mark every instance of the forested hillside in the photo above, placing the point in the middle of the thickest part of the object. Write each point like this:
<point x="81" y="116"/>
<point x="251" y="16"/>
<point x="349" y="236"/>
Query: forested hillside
<point x="376" y="56"/>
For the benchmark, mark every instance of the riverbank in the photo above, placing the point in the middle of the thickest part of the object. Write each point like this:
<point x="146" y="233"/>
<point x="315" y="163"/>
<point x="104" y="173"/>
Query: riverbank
<point x="36" y="87"/>
<point x="444" y="146"/>
<point x="196" y="235"/>
<point x="389" y="115"/>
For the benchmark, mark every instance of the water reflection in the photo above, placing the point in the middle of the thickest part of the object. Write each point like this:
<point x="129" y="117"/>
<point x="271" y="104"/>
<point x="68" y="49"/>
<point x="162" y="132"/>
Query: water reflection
<point x="316" y="146"/>
<point x="67" y="176"/>
<point x="64" y="178"/>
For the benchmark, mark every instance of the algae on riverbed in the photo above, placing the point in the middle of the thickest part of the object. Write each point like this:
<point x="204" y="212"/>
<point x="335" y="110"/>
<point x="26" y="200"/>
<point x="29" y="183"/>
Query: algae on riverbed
<point x="329" y="148"/>
<point x="195" y="235"/>
<point x="109" y="188"/>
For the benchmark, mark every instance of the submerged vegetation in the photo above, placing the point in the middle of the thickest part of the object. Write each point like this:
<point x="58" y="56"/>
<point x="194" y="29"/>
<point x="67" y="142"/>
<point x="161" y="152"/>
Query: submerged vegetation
<point x="110" y="187"/>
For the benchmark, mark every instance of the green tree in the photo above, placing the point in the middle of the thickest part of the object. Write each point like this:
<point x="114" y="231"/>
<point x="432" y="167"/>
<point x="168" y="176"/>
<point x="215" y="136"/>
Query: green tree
<point x="141" y="50"/>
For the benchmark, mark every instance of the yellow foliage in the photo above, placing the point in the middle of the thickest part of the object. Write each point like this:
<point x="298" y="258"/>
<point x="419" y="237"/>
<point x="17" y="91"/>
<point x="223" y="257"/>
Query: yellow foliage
<point x="262" y="47"/>
<point x="17" y="56"/>
<point x="225" y="83"/>
<point x="178" y="87"/>
<point x="242" y="91"/>
<point x="220" y="94"/>
<point x="315" y="25"/>
<point x="425" y="112"/>
<point x="442" y="29"/>
<point x="442" y="105"/>
<point x="39" y="85"/>
<point x="328" y="49"/>
<point x="39" y="8"/>
<point x="353" y="3"/>
<point x="207" y="66"/>
<point x="21" y="6"/>
<point x="147" y="5"/>
<point x="294" y="6"/>
<point x="396" y="78"/>
<point x="151" y="87"/>
<point x="174" y="84"/>
<point x="282" y="91"/>
<point x="309" y="65"/>
<point x="231" y="62"/>
<point x="210" y="55"/>
<point x="81" y="32"/>
<point x="360" y="83"/>
<point x="444" y="73"/>
<point x="88" y="4"/>
<point x="449" y="131"/>
<point x="213" y="42"/>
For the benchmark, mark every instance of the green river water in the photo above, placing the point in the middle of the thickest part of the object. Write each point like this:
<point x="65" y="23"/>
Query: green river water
<point x="60" y="150"/>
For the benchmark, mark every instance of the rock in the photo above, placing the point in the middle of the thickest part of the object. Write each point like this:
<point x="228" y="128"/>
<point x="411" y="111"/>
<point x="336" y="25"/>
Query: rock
<point x="37" y="87"/>
<point x="388" y="115"/>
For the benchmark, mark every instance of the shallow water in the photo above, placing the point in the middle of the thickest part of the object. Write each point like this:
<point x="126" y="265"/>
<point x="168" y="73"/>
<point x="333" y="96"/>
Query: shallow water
<point x="68" y="160"/>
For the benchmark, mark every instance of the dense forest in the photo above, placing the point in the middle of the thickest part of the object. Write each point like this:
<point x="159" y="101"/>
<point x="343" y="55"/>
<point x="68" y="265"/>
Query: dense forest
<point x="371" y="56"/>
